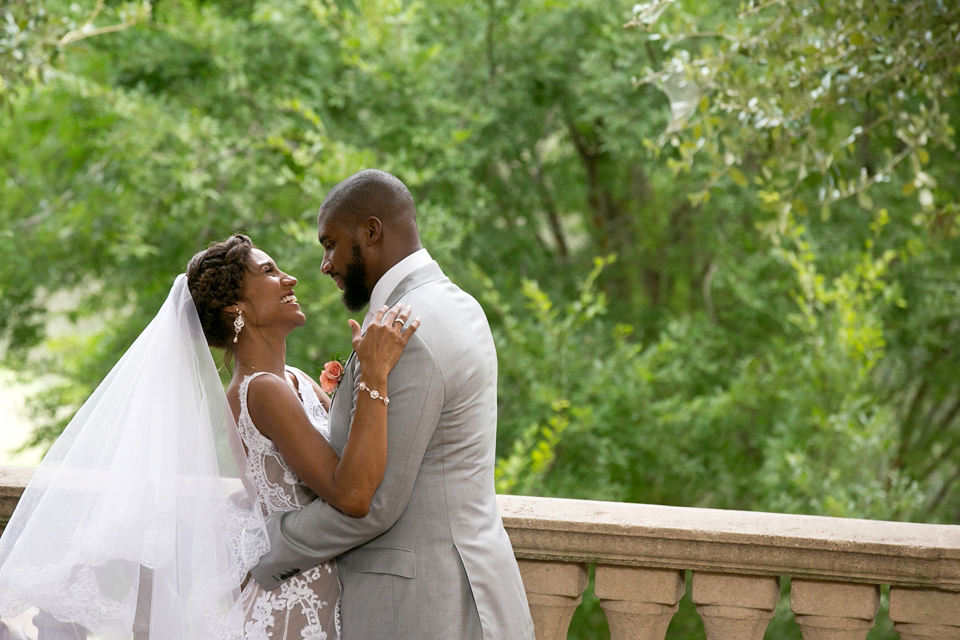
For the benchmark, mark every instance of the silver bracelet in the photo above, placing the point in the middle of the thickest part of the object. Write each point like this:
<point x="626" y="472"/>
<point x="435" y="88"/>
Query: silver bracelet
<point x="373" y="393"/>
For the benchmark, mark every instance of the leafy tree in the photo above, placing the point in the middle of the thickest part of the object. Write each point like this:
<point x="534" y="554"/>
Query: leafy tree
<point x="35" y="33"/>
<point x="717" y="248"/>
<point x="834" y="120"/>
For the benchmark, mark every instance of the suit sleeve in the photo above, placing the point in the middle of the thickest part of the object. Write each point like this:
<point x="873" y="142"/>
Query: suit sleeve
<point x="318" y="532"/>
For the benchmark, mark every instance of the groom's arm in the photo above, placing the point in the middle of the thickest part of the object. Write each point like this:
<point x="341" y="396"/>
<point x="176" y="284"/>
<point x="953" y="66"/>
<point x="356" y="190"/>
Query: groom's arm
<point x="303" y="539"/>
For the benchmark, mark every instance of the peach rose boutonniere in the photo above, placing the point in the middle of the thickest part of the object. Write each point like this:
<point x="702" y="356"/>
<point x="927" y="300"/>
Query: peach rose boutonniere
<point x="330" y="376"/>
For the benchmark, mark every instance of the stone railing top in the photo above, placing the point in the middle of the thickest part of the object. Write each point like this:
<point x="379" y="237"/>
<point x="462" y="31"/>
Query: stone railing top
<point x="741" y="542"/>
<point x="878" y="552"/>
<point x="13" y="480"/>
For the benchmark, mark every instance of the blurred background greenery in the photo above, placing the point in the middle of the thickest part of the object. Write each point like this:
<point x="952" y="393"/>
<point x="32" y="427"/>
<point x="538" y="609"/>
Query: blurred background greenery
<point x="717" y="242"/>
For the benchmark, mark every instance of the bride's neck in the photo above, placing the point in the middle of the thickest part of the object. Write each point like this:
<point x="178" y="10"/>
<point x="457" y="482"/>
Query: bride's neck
<point x="261" y="356"/>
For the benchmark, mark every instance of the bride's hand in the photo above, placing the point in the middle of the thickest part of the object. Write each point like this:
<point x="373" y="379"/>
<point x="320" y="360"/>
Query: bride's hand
<point x="379" y="348"/>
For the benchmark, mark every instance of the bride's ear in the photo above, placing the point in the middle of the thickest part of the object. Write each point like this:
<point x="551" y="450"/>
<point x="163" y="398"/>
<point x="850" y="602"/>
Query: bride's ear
<point x="234" y="318"/>
<point x="240" y="307"/>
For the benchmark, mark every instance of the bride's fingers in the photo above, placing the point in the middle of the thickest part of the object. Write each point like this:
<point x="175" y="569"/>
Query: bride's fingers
<point x="402" y="318"/>
<point x="409" y="330"/>
<point x="378" y="316"/>
<point x="390" y="314"/>
<point x="397" y="316"/>
<point x="355" y="330"/>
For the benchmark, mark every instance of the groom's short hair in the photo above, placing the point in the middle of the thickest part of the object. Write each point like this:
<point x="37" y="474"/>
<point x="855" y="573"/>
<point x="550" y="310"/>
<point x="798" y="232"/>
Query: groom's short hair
<point x="371" y="192"/>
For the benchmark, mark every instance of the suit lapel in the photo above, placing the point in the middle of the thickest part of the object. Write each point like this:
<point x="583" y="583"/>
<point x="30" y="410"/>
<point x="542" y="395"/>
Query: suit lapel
<point x="341" y="410"/>
<point x="427" y="273"/>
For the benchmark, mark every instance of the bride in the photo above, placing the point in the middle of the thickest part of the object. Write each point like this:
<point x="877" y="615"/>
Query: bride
<point x="146" y="514"/>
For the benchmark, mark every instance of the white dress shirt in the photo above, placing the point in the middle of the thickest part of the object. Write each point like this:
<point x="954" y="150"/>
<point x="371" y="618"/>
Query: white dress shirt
<point x="389" y="281"/>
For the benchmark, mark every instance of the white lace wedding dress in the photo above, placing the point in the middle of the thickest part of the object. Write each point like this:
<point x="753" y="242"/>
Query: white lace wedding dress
<point x="307" y="606"/>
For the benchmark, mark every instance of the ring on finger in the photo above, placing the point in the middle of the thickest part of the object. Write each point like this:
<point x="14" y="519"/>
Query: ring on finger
<point x="400" y="320"/>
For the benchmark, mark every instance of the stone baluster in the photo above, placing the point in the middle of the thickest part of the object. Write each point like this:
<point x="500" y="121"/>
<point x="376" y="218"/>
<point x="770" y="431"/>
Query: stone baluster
<point x="834" y="610"/>
<point x="639" y="602"/>
<point x="15" y="634"/>
<point x="49" y="628"/>
<point x="554" y="591"/>
<point x="735" y="606"/>
<point x="923" y="614"/>
<point x="141" y="616"/>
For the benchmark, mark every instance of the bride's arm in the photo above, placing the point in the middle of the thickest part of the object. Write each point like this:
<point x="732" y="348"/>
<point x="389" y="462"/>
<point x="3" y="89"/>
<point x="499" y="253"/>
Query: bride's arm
<point x="347" y="483"/>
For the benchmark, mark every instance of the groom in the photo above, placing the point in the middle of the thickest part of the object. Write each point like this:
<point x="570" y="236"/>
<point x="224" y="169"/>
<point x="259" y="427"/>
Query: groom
<point x="431" y="560"/>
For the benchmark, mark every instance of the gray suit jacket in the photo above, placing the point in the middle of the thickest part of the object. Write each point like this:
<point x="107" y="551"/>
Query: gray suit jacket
<point x="431" y="560"/>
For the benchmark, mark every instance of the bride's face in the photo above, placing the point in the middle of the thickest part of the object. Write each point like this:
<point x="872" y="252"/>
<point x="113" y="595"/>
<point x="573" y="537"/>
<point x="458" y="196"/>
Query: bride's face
<point x="268" y="297"/>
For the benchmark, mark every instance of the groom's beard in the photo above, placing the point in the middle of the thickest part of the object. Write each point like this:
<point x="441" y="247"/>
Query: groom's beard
<point x="355" y="292"/>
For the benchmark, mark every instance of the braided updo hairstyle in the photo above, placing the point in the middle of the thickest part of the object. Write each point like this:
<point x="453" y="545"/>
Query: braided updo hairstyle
<point x="215" y="279"/>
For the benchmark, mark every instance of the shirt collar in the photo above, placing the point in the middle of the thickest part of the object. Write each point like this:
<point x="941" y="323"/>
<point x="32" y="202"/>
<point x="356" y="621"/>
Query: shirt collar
<point x="389" y="281"/>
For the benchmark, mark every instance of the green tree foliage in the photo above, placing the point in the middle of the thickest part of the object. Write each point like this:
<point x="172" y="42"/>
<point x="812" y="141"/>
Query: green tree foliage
<point x="831" y="122"/>
<point x="717" y="242"/>
<point x="32" y="35"/>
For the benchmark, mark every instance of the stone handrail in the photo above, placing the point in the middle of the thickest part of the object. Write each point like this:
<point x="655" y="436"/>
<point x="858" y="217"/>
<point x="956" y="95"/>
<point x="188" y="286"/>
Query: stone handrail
<point x="641" y="554"/>
<point x="13" y="480"/>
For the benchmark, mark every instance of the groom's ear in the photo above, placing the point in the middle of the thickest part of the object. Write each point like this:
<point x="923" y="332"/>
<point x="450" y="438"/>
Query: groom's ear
<point x="372" y="230"/>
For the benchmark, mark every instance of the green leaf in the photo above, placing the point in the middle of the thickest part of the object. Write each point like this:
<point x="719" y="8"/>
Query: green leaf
<point x="738" y="177"/>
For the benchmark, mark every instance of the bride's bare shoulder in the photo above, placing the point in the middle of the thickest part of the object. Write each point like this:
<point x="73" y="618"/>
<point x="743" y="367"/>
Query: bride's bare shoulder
<point x="272" y="401"/>
<point x="263" y="391"/>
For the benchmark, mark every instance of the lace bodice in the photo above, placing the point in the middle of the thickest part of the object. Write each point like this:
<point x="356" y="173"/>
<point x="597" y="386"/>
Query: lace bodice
<point x="307" y="606"/>
<point x="278" y="486"/>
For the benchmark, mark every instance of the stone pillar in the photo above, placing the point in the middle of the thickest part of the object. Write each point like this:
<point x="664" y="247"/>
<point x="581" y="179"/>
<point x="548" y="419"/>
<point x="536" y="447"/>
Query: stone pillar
<point x="554" y="591"/>
<point x="924" y="614"/>
<point x="141" y="617"/>
<point x="834" y="610"/>
<point x="7" y="634"/>
<point x="49" y="628"/>
<point x="16" y="634"/>
<point x="735" y="606"/>
<point x="639" y="602"/>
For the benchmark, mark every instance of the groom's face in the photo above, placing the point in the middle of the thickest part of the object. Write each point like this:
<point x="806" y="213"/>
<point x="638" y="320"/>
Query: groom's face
<point x="343" y="260"/>
<point x="356" y="295"/>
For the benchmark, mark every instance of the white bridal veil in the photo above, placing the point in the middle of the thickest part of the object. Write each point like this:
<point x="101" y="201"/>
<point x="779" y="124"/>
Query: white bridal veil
<point x="137" y="513"/>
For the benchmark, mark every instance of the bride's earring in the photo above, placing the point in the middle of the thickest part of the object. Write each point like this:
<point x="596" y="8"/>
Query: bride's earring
<point x="237" y="325"/>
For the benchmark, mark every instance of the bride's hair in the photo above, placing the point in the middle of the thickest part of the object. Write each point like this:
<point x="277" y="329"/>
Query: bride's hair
<point x="215" y="279"/>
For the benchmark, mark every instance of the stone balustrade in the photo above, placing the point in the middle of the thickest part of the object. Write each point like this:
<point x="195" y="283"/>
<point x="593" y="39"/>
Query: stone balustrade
<point x="641" y="554"/>
<point x="12" y="482"/>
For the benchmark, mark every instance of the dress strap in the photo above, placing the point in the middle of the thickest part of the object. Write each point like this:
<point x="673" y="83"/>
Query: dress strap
<point x="315" y="410"/>
<point x="246" y="379"/>
<point x="304" y="385"/>
<point x="250" y="435"/>
<point x="244" y="386"/>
